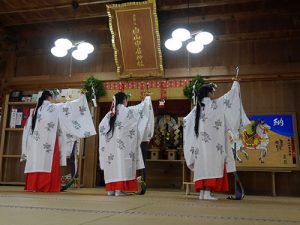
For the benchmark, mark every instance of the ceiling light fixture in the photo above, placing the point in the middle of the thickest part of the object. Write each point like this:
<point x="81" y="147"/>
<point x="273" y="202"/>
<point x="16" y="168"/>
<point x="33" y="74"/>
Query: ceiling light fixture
<point x="195" y="41"/>
<point x="80" y="50"/>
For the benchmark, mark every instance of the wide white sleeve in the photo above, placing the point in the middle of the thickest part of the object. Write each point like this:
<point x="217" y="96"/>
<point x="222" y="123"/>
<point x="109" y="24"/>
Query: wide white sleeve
<point x="235" y="120"/>
<point x="75" y="118"/>
<point x="137" y="109"/>
<point x="75" y="121"/>
<point x="190" y="141"/>
<point x="149" y="130"/>
<point x="141" y="113"/>
<point x="145" y="116"/>
<point x="25" y="136"/>
<point x="66" y="143"/>
<point x="244" y="118"/>
<point x="103" y="128"/>
<point x="235" y="116"/>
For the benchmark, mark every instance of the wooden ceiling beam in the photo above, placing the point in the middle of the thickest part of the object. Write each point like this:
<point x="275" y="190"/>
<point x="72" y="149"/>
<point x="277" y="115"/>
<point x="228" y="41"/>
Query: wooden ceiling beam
<point x="203" y="3"/>
<point x="181" y="20"/>
<point x="62" y="6"/>
<point x="225" y="16"/>
<point x="250" y="71"/>
<point x="263" y="35"/>
<point x="161" y="6"/>
<point x="55" y="19"/>
<point x="76" y="80"/>
<point x="8" y="16"/>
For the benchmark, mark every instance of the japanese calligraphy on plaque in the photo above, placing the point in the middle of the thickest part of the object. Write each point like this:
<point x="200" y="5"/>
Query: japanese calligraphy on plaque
<point x="135" y="39"/>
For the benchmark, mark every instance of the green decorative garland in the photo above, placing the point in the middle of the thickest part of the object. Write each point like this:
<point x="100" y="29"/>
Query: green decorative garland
<point x="91" y="83"/>
<point x="188" y="90"/>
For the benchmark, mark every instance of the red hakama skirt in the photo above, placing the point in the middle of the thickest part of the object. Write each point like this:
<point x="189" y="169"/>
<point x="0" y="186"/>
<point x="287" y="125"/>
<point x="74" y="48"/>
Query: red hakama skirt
<point x="43" y="181"/>
<point x="129" y="185"/>
<point x="214" y="184"/>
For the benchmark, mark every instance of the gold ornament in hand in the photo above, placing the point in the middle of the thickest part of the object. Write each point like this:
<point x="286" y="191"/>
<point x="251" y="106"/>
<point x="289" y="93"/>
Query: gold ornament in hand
<point x="147" y="92"/>
<point x="236" y="78"/>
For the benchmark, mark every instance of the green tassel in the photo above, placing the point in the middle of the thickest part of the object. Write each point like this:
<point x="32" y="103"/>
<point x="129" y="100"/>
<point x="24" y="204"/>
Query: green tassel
<point x="144" y="188"/>
<point x="68" y="185"/>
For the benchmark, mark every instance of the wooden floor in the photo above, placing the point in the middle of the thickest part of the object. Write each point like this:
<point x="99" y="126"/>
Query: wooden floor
<point x="164" y="207"/>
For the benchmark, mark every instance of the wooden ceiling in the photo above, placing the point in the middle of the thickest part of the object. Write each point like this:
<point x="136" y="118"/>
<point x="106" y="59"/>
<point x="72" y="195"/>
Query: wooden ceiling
<point x="21" y="16"/>
<point x="227" y="19"/>
<point x="38" y="17"/>
<point x="23" y="12"/>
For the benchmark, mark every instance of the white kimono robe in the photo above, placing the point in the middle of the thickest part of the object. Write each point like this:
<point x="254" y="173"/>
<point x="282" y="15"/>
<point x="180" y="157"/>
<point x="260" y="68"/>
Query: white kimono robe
<point x="120" y="155"/>
<point x="70" y="121"/>
<point x="207" y="153"/>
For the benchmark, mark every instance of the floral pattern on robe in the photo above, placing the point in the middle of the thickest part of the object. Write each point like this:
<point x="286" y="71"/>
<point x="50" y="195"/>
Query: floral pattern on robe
<point x="67" y="121"/>
<point x="207" y="153"/>
<point x="120" y="155"/>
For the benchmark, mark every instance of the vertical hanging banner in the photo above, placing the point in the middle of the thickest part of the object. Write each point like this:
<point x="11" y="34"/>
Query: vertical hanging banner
<point x="135" y="39"/>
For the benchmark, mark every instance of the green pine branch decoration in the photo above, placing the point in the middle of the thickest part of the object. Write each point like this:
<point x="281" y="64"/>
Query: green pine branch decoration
<point x="188" y="90"/>
<point x="98" y="87"/>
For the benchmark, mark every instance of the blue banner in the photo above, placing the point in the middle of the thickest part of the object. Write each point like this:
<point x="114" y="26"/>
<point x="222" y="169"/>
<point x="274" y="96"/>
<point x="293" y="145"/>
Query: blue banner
<point x="281" y="124"/>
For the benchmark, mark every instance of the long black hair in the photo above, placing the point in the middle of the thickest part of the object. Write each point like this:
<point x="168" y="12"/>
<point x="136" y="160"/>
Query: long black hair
<point x="120" y="97"/>
<point x="45" y="95"/>
<point x="203" y="92"/>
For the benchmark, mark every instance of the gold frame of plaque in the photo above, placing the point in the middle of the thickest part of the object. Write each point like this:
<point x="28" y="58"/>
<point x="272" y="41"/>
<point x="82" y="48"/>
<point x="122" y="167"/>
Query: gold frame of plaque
<point x="135" y="39"/>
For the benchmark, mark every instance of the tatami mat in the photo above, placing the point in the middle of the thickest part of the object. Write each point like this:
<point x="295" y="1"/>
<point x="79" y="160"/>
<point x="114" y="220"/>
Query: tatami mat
<point x="92" y="206"/>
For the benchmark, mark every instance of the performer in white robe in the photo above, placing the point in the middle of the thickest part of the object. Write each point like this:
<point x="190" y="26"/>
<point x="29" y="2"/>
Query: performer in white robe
<point x="207" y="148"/>
<point x="121" y="132"/>
<point x="48" y="138"/>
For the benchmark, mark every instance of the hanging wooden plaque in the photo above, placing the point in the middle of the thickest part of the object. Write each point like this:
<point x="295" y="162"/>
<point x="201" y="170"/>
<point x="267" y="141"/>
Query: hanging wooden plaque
<point x="135" y="39"/>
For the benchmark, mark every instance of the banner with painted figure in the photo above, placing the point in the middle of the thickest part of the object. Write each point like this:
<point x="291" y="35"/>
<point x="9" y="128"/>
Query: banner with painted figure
<point x="269" y="141"/>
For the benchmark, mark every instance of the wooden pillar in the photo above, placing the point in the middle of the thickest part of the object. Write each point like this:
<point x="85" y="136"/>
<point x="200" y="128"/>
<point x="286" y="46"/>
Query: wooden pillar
<point x="91" y="153"/>
<point x="3" y="133"/>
